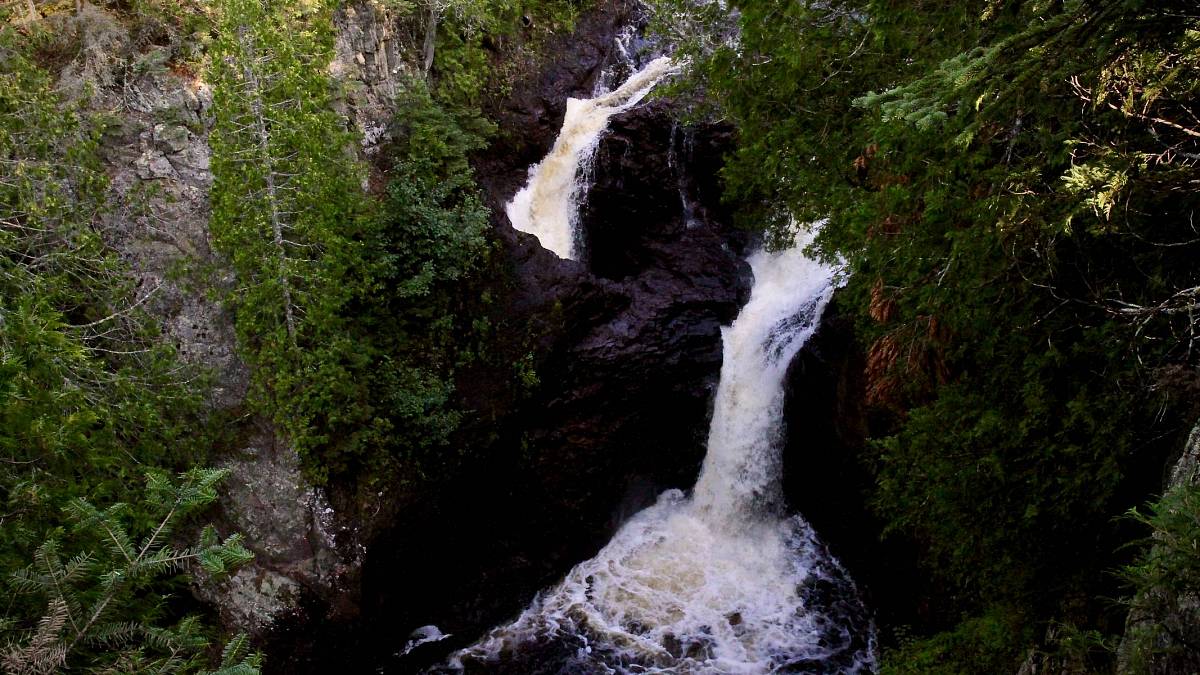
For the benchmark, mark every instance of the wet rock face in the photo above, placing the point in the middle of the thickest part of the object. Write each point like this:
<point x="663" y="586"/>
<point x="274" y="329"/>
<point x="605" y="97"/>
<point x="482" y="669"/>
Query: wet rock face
<point x="649" y="169"/>
<point x="637" y="376"/>
<point x="529" y="118"/>
<point x="825" y="476"/>
<point x="628" y="354"/>
<point x="825" y="427"/>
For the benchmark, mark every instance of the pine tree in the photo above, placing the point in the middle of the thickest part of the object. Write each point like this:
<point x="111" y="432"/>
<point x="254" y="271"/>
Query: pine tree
<point x="288" y="209"/>
<point x="84" y="594"/>
<point x="90" y="399"/>
<point x="286" y="181"/>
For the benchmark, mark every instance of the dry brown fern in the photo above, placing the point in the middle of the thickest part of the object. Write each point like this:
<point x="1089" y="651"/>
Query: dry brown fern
<point x="45" y="652"/>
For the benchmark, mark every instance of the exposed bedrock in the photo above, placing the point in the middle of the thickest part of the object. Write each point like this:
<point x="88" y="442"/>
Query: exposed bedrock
<point x="825" y="477"/>
<point x="627" y="349"/>
<point x="626" y="346"/>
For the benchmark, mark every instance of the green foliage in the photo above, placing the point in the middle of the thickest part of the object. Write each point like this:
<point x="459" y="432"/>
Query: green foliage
<point x="91" y="401"/>
<point x="288" y="211"/>
<point x="1165" y="584"/>
<point x="348" y="312"/>
<point x="990" y="643"/>
<point x="89" y="597"/>
<point x="432" y="234"/>
<point x="472" y="32"/>
<point x="1009" y="185"/>
<point x="236" y="659"/>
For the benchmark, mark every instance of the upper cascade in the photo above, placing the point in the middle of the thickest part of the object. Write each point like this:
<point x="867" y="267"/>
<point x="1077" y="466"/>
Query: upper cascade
<point x="548" y="206"/>
<point x="721" y="581"/>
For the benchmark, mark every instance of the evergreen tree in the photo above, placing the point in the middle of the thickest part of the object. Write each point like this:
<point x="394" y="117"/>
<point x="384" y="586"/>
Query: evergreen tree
<point x="85" y="594"/>
<point x="288" y="211"/>
<point x="288" y="187"/>
<point x="343" y="311"/>
<point x="90" y="400"/>
<point x="1009" y="184"/>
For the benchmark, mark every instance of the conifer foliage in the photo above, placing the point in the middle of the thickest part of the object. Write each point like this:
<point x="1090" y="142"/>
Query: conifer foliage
<point x="85" y="594"/>
<point x="288" y="184"/>
<point x="346" y="307"/>
<point x="288" y="212"/>
<point x="93" y="405"/>
<point x="1013" y="187"/>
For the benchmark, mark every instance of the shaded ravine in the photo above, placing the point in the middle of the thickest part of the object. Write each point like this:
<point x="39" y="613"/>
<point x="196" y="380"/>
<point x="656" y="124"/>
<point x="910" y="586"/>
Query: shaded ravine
<point x="720" y="581"/>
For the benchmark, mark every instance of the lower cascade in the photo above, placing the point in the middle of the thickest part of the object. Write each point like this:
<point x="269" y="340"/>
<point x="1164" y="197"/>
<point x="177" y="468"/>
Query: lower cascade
<point x="721" y="581"/>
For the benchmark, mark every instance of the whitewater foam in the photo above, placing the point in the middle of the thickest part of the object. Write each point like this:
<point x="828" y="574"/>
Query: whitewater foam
<point x="719" y="581"/>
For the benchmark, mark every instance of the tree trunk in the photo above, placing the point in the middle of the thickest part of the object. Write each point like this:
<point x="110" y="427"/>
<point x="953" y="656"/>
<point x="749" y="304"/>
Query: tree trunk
<point x="264" y="152"/>
<point x="430" y="37"/>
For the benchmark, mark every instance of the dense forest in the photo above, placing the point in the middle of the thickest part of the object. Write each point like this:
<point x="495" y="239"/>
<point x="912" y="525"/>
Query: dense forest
<point x="1010" y="187"/>
<point x="1013" y="186"/>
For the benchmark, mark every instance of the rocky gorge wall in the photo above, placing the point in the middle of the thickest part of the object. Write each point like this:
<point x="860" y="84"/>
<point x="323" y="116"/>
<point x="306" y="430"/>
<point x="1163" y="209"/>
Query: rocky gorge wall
<point x="626" y="346"/>
<point x="627" y="362"/>
<point x="157" y="160"/>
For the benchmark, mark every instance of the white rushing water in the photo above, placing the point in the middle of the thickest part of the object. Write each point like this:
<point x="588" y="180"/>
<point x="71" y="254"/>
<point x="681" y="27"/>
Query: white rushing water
<point x="721" y="581"/>
<point x="548" y="206"/>
<point x="740" y="478"/>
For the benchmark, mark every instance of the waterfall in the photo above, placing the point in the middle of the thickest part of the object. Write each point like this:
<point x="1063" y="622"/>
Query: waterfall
<point x="740" y="477"/>
<point x="679" y="164"/>
<point x="548" y="206"/>
<point x="722" y="581"/>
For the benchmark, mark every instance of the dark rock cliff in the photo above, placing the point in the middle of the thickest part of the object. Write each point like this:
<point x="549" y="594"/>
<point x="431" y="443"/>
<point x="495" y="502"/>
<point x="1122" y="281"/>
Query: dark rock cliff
<point x="627" y="350"/>
<point x="825" y="477"/>
<point x="627" y="368"/>
<point x="626" y="347"/>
